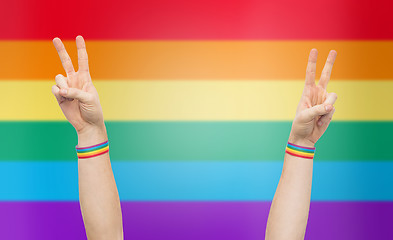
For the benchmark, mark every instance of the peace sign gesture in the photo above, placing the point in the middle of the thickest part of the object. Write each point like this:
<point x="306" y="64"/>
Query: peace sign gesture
<point x="78" y="99"/>
<point x="76" y="95"/>
<point x="315" y="109"/>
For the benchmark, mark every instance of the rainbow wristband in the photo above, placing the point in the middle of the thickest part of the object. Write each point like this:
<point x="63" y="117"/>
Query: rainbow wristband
<point x="299" y="151"/>
<point x="92" y="151"/>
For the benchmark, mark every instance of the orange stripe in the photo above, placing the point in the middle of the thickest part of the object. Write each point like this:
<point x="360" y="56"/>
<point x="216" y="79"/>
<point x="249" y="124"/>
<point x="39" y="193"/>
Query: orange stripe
<point x="184" y="60"/>
<point x="299" y="152"/>
<point x="297" y="155"/>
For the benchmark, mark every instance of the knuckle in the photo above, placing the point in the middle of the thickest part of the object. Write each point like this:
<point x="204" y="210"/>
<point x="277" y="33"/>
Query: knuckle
<point x="67" y="60"/>
<point x="83" y="70"/>
<point x="83" y="58"/>
<point x="310" y="72"/>
<point x="330" y="61"/>
<point x="70" y="92"/>
<point x="54" y="89"/>
<point x="334" y="95"/>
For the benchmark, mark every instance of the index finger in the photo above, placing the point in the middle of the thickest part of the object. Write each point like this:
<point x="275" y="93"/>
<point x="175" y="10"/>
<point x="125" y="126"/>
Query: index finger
<point x="64" y="57"/>
<point x="327" y="69"/>
<point x="311" y="67"/>
<point x="82" y="54"/>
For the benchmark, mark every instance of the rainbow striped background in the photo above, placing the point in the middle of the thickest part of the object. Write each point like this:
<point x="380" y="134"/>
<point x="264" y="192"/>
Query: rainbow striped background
<point x="198" y="98"/>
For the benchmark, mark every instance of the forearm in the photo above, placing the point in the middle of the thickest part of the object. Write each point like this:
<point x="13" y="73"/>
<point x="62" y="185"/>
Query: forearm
<point x="79" y="101"/>
<point x="98" y="194"/>
<point x="289" y="210"/>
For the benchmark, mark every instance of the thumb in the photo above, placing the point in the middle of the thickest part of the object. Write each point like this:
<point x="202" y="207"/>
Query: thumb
<point x="318" y="110"/>
<point x="74" y="93"/>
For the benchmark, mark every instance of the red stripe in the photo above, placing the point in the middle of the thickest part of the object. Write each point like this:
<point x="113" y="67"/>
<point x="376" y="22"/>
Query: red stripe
<point x="296" y="155"/>
<point x="95" y="155"/>
<point x="197" y="19"/>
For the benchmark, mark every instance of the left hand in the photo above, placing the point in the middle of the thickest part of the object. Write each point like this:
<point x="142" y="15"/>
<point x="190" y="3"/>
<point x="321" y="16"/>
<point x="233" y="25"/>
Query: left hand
<point x="315" y="109"/>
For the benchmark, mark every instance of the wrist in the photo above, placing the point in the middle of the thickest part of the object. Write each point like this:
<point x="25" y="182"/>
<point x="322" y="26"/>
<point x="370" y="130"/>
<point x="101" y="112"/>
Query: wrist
<point x="300" y="141"/>
<point x="92" y="135"/>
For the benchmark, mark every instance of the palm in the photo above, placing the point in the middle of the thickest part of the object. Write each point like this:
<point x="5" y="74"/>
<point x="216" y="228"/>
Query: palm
<point x="77" y="113"/>
<point x="314" y="95"/>
<point x="74" y="110"/>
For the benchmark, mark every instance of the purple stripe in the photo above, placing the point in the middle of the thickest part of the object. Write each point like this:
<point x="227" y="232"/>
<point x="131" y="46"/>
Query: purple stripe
<point x="82" y="148"/>
<point x="196" y="220"/>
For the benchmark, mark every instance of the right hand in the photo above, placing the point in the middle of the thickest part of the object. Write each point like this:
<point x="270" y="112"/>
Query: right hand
<point x="315" y="109"/>
<point x="76" y="95"/>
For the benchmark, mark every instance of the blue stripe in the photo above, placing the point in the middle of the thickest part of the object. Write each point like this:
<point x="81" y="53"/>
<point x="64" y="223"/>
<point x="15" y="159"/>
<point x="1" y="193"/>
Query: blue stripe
<point x="197" y="181"/>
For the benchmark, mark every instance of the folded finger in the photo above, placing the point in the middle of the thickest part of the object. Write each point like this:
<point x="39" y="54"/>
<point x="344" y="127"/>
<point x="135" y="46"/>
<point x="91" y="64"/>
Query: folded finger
<point x="74" y="93"/>
<point x="61" y="81"/>
<point x="330" y="98"/>
<point x="56" y="93"/>
<point x="326" y="119"/>
<point x="318" y="110"/>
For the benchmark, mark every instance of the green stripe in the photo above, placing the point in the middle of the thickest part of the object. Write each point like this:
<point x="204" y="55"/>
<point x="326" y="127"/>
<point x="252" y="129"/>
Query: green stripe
<point x="196" y="141"/>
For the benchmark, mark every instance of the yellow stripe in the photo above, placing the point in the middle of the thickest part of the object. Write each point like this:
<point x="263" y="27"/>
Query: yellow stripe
<point x="93" y="152"/>
<point x="199" y="100"/>
<point x="300" y="153"/>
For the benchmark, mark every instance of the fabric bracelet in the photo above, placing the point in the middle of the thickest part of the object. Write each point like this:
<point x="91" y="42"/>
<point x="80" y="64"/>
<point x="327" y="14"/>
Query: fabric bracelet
<point x="299" y="151"/>
<point x="92" y="151"/>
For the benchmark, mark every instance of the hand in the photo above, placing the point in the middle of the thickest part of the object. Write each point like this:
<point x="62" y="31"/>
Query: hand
<point x="315" y="109"/>
<point x="76" y="95"/>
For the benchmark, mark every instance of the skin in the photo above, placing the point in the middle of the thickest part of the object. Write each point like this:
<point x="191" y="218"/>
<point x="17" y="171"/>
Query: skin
<point x="78" y="99"/>
<point x="289" y="210"/>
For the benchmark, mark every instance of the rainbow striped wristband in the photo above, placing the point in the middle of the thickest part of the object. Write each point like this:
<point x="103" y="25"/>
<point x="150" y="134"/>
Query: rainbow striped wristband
<point x="299" y="151"/>
<point x="92" y="151"/>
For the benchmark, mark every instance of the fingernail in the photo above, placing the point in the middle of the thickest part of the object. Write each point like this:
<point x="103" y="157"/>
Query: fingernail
<point x="320" y="123"/>
<point x="63" y="91"/>
<point x="328" y="107"/>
